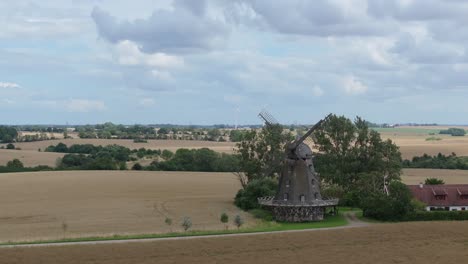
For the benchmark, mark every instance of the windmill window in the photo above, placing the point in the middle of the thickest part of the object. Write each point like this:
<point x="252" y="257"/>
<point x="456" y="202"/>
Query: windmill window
<point x="316" y="196"/>
<point x="285" y="196"/>
<point x="302" y="198"/>
<point x="288" y="182"/>
<point x="312" y="181"/>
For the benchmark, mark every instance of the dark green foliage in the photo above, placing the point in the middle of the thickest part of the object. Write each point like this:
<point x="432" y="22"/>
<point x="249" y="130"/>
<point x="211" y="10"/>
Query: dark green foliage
<point x="238" y="221"/>
<point x="224" y="218"/>
<point x="355" y="157"/>
<point x="439" y="161"/>
<point x="197" y="160"/>
<point x="167" y="154"/>
<point x="137" y="166"/>
<point x="394" y="207"/>
<point x="262" y="153"/>
<point x="436" y="216"/>
<point x="10" y="146"/>
<point x="457" y="132"/>
<point x="237" y="135"/>
<point x="5" y="169"/>
<point x="140" y="140"/>
<point x="262" y="214"/>
<point x="246" y="199"/>
<point x="15" y="164"/>
<point x="433" y="181"/>
<point x="7" y="134"/>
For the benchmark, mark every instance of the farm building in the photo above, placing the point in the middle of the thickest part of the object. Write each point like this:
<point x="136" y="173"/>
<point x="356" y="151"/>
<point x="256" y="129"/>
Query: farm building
<point x="449" y="197"/>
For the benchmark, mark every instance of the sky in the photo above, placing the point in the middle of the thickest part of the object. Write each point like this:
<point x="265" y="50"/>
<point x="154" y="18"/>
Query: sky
<point x="223" y="61"/>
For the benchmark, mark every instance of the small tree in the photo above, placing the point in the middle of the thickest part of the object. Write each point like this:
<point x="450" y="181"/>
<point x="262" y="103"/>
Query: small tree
<point x="238" y="221"/>
<point x="224" y="219"/>
<point x="434" y="181"/>
<point x="186" y="223"/>
<point x="10" y="146"/>
<point x="168" y="222"/>
<point x="64" y="227"/>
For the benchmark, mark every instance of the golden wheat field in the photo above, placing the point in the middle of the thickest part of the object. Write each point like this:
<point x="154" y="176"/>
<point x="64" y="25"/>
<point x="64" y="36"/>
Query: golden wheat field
<point x="416" y="176"/>
<point x="30" y="158"/>
<point x="415" y="243"/>
<point x="37" y="205"/>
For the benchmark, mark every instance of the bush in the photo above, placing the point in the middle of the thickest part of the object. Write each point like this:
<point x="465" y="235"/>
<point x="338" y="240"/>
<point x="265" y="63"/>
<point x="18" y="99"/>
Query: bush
<point x="137" y="166"/>
<point x="433" y="181"/>
<point x="238" y="221"/>
<point x="393" y="207"/>
<point x="437" y="216"/>
<point x="457" y="132"/>
<point x="15" y="164"/>
<point x="10" y="146"/>
<point x="186" y="223"/>
<point x="246" y="199"/>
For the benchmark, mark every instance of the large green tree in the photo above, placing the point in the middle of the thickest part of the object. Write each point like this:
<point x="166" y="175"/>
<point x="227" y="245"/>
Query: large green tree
<point x="261" y="153"/>
<point x="355" y="157"/>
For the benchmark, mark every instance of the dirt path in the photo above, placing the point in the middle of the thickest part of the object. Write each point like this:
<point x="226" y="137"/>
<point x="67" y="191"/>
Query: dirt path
<point x="353" y="222"/>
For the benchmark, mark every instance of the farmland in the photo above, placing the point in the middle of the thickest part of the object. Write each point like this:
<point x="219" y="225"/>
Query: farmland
<point x="173" y="145"/>
<point x="30" y="158"/>
<point x="415" y="176"/>
<point x="37" y="205"/>
<point x="415" y="243"/>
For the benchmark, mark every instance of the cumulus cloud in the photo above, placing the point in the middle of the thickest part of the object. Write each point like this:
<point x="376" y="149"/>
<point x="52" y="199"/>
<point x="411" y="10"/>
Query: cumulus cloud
<point x="127" y="53"/>
<point x="185" y="29"/>
<point x="9" y="85"/>
<point x="84" y="106"/>
<point x="353" y="86"/>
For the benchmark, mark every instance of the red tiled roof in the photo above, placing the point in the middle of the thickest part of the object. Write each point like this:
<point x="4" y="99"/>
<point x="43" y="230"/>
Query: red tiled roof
<point x="451" y="192"/>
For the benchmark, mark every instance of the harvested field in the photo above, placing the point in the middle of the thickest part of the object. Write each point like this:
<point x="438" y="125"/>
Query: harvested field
<point x="30" y="158"/>
<point x="36" y="205"/>
<point x="415" y="144"/>
<point x="416" y="243"/>
<point x="415" y="176"/>
<point x="172" y="145"/>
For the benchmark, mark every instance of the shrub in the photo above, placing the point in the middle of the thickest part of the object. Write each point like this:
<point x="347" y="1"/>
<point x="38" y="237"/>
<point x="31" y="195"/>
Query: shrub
<point x="246" y="199"/>
<point x="224" y="219"/>
<point x="433" y="181"/>
<point x="15" y="164"/>
<point x="186" y="223"/>
<point x="437" y="216"/>
<point x="10" y="146"/>
<point x="238" y="221"/>
<point x="137" y="166"/>
<point x="393" y="207"/>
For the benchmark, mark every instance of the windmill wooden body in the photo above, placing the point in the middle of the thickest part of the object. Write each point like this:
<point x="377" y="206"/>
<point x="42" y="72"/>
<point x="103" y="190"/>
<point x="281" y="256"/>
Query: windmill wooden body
<point x="298" y="198"/>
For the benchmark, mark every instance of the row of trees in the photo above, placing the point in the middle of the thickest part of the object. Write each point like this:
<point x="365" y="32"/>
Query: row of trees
<point x="439" y="161"/>
<point x="457" y="132"/>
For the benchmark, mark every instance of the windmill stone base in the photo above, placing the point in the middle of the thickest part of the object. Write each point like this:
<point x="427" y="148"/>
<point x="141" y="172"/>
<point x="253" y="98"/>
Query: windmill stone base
<point x="305" y="212"/>
<point x="298" y="213"/>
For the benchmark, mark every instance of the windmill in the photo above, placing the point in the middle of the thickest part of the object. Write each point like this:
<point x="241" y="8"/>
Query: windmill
<point x="298" y="198"/>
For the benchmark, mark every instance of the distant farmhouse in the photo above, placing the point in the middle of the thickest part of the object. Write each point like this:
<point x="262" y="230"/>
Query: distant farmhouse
<point x="449" y="197"/>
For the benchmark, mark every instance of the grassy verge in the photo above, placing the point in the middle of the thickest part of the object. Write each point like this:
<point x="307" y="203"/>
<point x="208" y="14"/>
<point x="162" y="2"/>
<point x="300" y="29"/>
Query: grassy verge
<point x="264" y="226"/>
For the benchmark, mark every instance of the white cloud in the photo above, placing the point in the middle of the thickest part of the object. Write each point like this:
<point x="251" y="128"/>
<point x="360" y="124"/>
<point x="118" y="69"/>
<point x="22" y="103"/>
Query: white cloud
<point x="147" y="102"/>
<point x="84" y="106"/>
<point x="317" y="91"/>
<point x="128" y="53"/>
<point x="9" y="85"/>
<point x="353" y="86"/>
